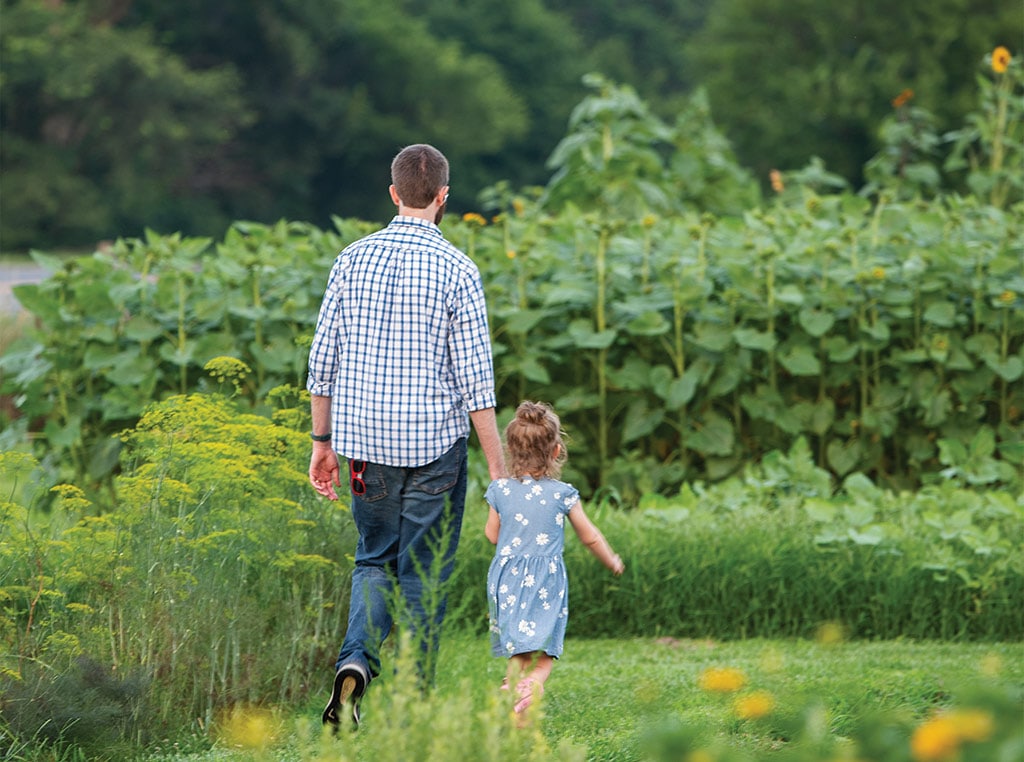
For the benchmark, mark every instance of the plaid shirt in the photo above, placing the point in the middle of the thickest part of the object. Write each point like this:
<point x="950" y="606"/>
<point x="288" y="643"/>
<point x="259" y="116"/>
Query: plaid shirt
<point x="402" y="346"/>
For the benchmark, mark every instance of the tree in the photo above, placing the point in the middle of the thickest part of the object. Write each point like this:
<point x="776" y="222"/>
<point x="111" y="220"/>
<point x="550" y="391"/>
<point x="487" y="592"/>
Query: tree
<point x="338" y="86"/>
<point x="103" y="131"/>
<point x="792" y="79"/>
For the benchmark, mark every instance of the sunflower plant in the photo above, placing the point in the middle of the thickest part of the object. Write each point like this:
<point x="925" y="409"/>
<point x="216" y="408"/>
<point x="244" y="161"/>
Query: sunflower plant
<point x="989" y="147"/>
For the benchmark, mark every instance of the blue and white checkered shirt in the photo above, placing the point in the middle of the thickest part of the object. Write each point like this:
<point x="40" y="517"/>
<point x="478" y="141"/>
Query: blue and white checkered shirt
<point x="402" y="346"/>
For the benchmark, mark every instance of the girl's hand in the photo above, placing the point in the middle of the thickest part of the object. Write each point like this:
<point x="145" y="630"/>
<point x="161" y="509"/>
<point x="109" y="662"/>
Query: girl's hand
<point x="617" y="566"/>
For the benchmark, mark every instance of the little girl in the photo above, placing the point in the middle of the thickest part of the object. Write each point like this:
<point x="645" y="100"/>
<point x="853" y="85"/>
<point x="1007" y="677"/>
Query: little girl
<point x="526" y="583"/>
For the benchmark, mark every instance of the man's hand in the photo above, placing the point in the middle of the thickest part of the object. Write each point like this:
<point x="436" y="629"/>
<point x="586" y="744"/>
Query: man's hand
<point x="323" y="470"/>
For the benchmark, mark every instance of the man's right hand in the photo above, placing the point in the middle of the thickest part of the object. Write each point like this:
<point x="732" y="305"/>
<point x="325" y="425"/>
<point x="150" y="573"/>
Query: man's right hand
<point x="324" y="470"/>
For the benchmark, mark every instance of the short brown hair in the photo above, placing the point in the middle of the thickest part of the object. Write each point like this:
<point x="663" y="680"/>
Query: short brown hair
<point x="531" y="438"/>
<point x="418" y="172"/>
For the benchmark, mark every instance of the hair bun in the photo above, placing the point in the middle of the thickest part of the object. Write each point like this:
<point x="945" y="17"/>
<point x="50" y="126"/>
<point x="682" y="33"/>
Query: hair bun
<point x="531" y="412"/>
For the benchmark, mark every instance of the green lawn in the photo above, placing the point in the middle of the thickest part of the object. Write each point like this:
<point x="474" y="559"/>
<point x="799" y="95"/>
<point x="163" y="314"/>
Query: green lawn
<point x="640" y="699"/>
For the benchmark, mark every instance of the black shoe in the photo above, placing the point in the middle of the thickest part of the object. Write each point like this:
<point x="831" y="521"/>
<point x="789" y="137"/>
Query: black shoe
<point x="349" y="683"/>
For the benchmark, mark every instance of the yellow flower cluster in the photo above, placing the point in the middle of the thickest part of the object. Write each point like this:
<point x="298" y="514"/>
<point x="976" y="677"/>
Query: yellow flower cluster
<point x="721" y="680"/>
<point x="754" y="705"/>
<point x="475" y="218"/>
<point x="939" y="738"/>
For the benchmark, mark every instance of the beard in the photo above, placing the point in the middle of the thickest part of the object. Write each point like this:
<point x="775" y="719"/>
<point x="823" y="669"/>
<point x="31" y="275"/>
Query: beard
<point x="440" y="213"/>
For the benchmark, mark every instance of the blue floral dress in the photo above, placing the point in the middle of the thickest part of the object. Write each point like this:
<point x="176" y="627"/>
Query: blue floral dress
<point x="528" y="595"/>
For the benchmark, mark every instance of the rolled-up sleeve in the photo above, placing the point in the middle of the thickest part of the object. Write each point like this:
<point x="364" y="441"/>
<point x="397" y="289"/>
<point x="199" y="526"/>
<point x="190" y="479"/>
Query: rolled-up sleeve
<point x="470" y="345"/>
<point x="323" y="352"/>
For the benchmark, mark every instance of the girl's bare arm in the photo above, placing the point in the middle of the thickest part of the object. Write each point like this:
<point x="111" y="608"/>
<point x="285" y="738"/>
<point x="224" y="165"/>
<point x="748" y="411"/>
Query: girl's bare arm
<point x="493" y="525"/>
<point x="591" y="536"/>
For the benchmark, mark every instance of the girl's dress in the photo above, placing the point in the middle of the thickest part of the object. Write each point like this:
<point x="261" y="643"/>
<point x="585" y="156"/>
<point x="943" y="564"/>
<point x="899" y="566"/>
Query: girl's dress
<point x="527" y="585"/>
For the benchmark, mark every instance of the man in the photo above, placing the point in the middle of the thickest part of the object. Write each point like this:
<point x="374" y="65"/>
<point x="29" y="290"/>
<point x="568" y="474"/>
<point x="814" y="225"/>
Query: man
<point x="399" y="366"/>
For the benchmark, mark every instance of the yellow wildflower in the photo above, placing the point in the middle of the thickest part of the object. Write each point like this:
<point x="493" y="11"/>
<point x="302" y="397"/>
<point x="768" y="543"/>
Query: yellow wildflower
<point x="649" y="220"/>
<point x="903" y="98"/>
<point x="518" y="206"/>
<point x="936" y="740"/>
<point x="721" y="679"/>
<point x="511" y="253"/>
<point x="72" y="497"/>
<point x="475" y="218"/>
<point x="754" y="706"/>
<point x="1000" y="60"/>
<point x="878" y="273"/>
<point x="700" y="755"/>
<point x="830" y="634"/>
<point x="250" y="728"/>
<point x="973" y="724"/>
<point x="776" y="179"/>
<point x="1007" y="296"/>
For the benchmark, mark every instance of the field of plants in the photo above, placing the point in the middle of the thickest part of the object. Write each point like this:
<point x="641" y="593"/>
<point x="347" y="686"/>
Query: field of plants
<point x="801" y="413"/>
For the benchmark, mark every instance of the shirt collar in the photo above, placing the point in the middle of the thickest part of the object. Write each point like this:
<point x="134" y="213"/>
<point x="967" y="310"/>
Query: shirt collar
<point x="401" y="219"/>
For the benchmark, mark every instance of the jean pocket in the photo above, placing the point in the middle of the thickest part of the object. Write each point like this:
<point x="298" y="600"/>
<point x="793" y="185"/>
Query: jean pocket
<point x="443" y="474"/>
<point x="376" y="486"/>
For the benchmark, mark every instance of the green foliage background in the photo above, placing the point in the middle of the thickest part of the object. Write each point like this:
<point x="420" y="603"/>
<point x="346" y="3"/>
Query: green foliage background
<point x="182" y="117"/>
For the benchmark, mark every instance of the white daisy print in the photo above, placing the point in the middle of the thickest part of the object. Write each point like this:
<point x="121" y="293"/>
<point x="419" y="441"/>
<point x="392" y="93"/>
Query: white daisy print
<point x="528" y="580"/>
<point x="507" y="550"/>
<point x="543" y="539"/>
<point x="542" y="593"/>
<point x="517" y="541"/>
<point x="560" y="519"/>
<point x="503" y="589"/>
<point x="552" y="567"/>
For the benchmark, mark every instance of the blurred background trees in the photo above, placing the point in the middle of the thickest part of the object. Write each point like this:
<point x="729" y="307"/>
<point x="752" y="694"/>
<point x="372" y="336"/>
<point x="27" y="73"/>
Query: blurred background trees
<point x="117" y="115"/>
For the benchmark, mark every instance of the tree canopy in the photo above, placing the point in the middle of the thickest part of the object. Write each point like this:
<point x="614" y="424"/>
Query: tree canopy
<point x="118" y="115"/>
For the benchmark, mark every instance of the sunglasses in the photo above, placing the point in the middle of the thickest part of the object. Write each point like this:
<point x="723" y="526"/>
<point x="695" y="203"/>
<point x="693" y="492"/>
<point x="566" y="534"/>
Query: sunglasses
<point x="356" y="469"/>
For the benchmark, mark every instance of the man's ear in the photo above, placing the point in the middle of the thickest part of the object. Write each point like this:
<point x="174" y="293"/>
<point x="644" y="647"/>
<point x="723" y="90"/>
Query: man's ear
<point x="394" y="195"/>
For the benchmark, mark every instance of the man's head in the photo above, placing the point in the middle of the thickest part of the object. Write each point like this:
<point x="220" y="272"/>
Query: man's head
<point x="418" y="173"/>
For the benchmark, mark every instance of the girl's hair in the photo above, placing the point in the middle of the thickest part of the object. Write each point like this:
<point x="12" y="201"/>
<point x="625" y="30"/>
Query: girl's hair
<point x="531" y="439"/>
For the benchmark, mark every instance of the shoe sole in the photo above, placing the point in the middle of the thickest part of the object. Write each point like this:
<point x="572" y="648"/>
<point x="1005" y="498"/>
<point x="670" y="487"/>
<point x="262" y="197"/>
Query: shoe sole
<point x="345" y="687"/>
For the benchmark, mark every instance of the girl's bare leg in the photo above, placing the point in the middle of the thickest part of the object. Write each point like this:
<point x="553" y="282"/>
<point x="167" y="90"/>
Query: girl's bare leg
<point x="533" y="684"/>
<point x="542" y="669"/>
<point x="517" y="666"/>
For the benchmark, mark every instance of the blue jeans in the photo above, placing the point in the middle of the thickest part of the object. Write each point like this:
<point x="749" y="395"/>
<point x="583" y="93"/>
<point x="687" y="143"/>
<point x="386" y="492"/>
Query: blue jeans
<point x="409" y="520"/>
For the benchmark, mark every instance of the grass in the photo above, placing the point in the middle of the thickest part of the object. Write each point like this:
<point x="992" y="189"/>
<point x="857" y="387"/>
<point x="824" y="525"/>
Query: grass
<point x="612" y="699"/>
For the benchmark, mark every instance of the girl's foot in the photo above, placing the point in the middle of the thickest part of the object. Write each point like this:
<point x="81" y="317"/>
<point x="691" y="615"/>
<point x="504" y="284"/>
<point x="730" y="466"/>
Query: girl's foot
<point x="525" y="690"/>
